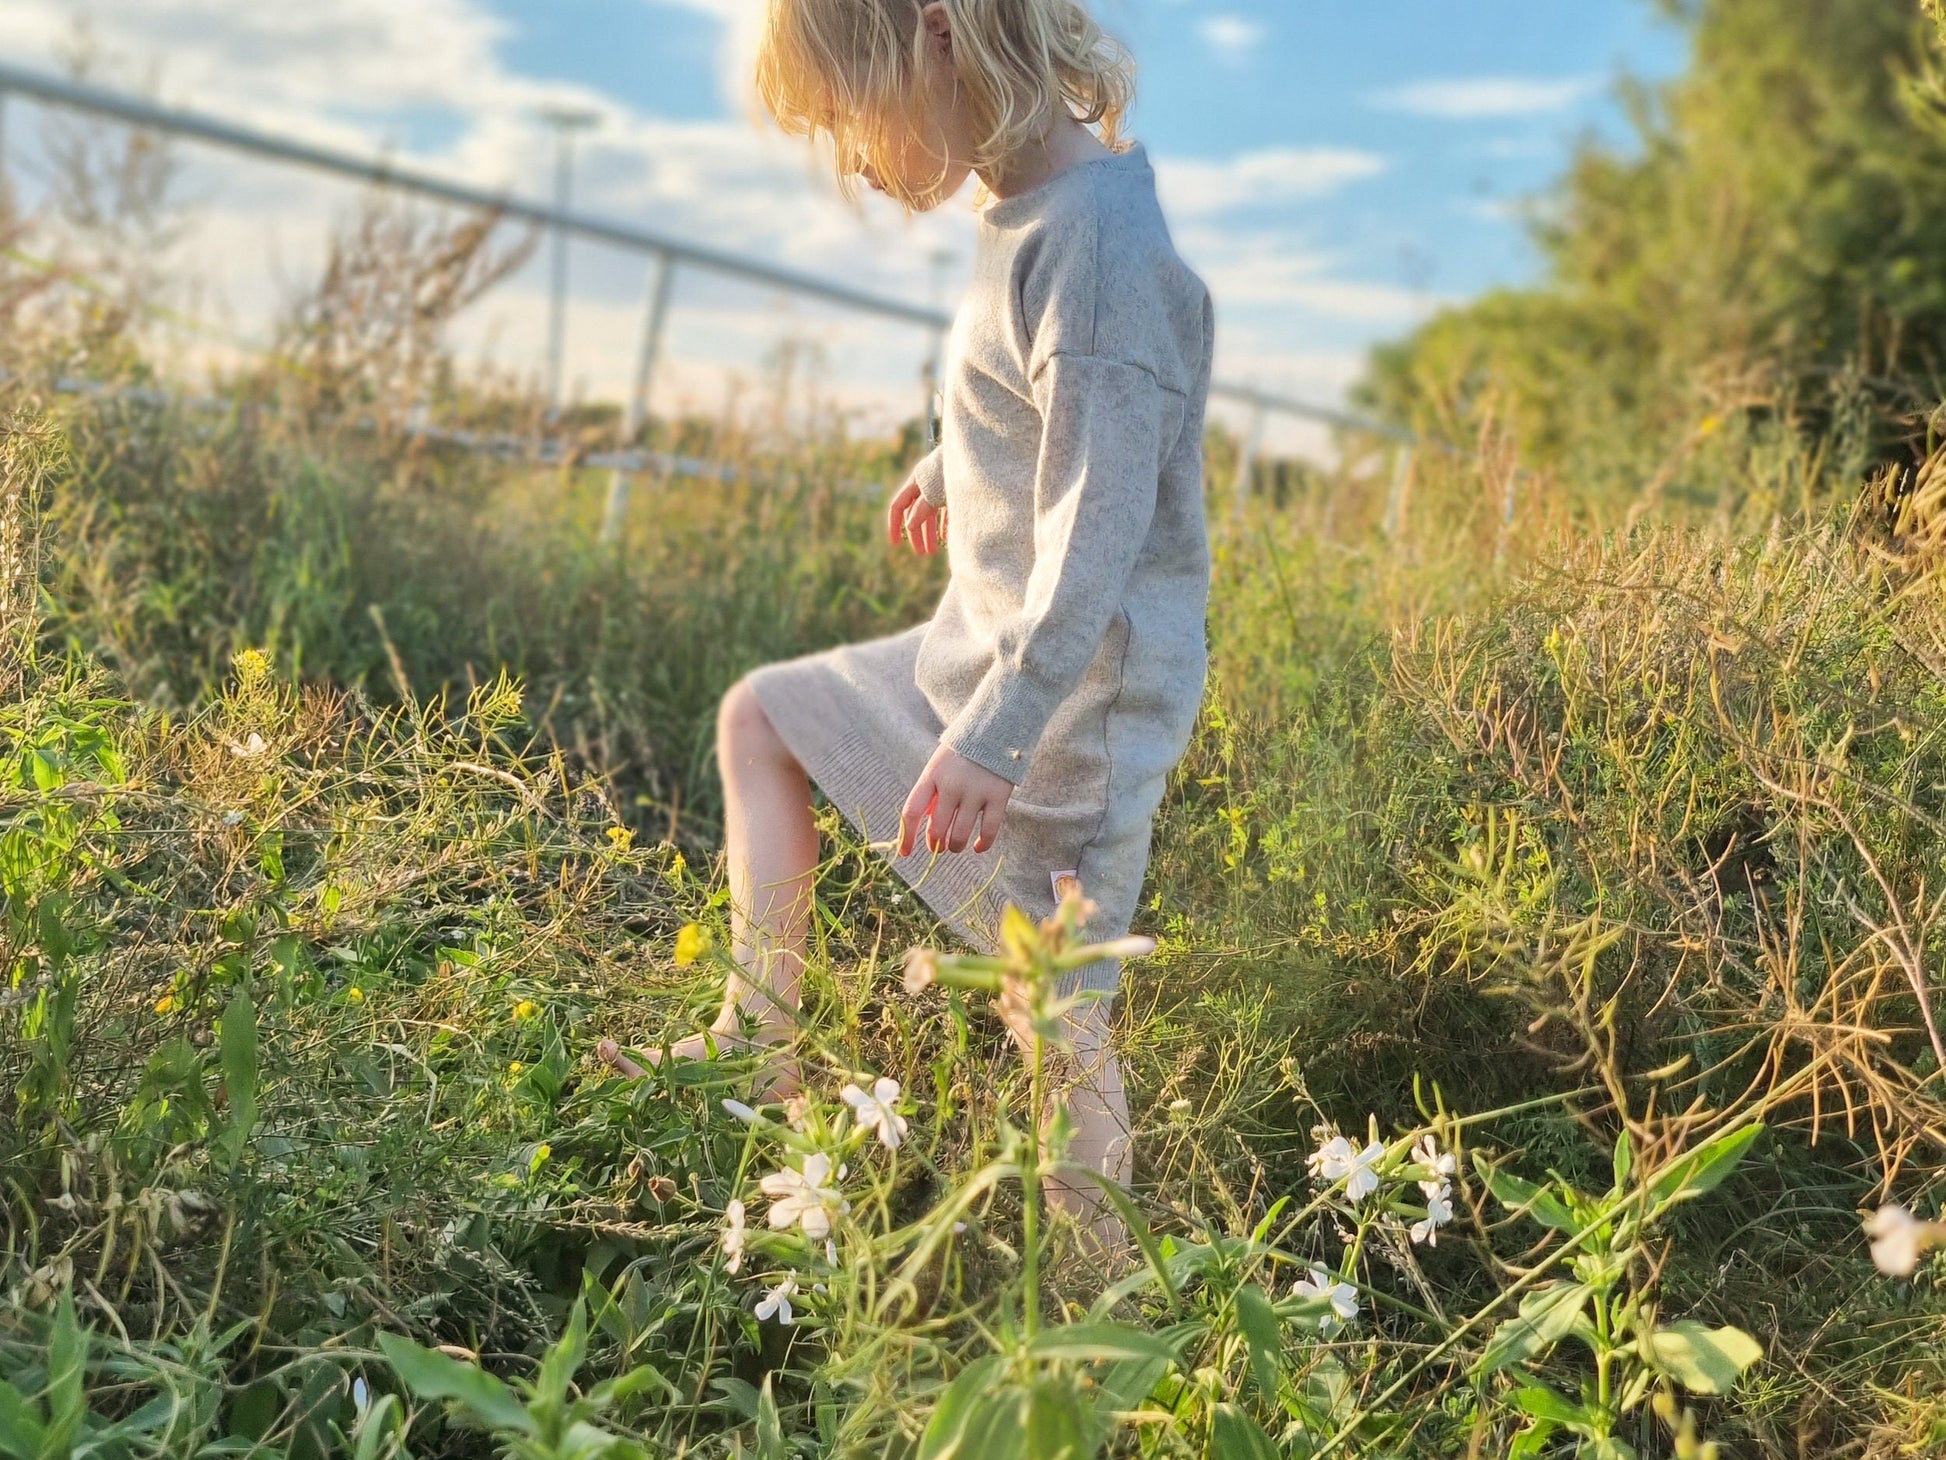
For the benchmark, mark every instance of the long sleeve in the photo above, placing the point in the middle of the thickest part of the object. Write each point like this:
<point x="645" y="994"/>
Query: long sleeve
<point x="1103" y="436"/>
<point x="930" y="476"/>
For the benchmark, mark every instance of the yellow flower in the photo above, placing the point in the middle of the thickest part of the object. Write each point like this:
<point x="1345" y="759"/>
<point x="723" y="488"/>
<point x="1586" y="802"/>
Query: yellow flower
<point x="526" y="1009"/>
<point x="166" y="1004"/>
<point x="621" y="838"/>
<point x="691" y="943"/>
<point x="252" y="666"/>
<point x="514" y="1067"/>
<point x="677" y="866"/>
<point x="1709" y="425"/>
<point x="355" y="994"/>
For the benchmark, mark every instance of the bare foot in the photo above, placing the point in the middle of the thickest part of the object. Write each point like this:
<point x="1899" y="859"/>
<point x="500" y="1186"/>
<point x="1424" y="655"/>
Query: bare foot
<point x="783" y="1076"/>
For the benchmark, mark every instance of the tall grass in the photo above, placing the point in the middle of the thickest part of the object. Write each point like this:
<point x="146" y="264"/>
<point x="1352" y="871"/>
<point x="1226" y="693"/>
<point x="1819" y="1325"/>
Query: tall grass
<point x="1576" y="883"/>
<point x="1622" y="845"/>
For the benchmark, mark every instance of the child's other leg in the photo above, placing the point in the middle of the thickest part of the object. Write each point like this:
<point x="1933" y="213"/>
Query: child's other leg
<point x="770" y="845"/>
<point x="1098" y="1117"/>
<point x="771" y="852"/>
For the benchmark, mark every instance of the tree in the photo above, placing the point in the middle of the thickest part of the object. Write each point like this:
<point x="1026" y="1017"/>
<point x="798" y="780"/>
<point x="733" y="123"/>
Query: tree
<point x="1768" y="259"/>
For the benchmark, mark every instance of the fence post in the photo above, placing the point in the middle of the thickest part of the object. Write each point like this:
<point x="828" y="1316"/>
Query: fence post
<point x="1395" y="495"/>
<point x="656" y="316"/>
<point x="1253" y="445"/>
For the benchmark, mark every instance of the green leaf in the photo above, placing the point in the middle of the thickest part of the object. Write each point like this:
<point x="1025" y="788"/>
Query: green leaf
<point x="374" y="1426"/>
<point x="1233" y="1435"/>
<point x="21" y="1431"/>
<point x="1606" y="1448"/>
<point x="1624" y="1160"/>
<point x="563" y="1358"/>
<point x="770" y="1425"/>
<point x="237" y="1050"/>
<point x="1703" y="1169"/>
<point x="625" y="1386"/>
<point x="1055" y="1422"/>
<point x="67" y="1381"/>
<point x="947" y="1428"/>
<point x="1126" y="1384"/>
<point x="1098" y="1343"/>
<point x="1526" y="1197"/>
<point x="432" y="1375"/>
<point x="1541" y="1402"/>
<point x="1546" y="1316"/>
<point x="1262" y="1335"/>
<point x="996" y="1428"/>
<point x="1531" y="1443"/>
<point x="1705" y="1360"/>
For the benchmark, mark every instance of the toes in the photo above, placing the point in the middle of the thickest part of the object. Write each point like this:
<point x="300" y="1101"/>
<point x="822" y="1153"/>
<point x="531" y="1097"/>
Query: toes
<point x="610" y="1054"/>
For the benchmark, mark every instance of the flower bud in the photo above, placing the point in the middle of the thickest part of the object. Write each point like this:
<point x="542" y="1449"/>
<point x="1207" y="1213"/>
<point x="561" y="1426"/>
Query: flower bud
<point x="921" y="969"/>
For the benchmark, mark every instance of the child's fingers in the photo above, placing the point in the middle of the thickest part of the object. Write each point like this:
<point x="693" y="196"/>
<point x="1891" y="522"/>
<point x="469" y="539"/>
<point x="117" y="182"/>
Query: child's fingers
<point x="991" y="816"/>
<point x="895" y="514"/>
<point x="964" y="822"/>
<point x="939" y="829"/>
<point x="917" y="806"/>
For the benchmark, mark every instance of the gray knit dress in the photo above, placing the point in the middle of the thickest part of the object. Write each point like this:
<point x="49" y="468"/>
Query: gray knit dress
<point x="1067" y="654"/>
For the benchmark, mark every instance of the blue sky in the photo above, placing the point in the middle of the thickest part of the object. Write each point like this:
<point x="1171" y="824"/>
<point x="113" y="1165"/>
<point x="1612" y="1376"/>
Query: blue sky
<point x="1335" y="170"/>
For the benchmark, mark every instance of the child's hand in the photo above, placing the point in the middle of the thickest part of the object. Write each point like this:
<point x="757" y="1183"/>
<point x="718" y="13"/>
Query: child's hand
<point x="954" y="795"/>
<point x="916" y="520"/>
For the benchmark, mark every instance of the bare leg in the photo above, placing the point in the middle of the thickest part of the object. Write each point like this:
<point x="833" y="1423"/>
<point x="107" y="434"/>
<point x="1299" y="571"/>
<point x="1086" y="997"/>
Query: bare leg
<point x="771" y="851"/>
<point x="1098" y="1117"/>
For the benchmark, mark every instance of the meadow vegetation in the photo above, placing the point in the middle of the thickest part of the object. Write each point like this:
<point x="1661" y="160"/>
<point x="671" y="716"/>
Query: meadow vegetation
<point x="1548" y="909"/>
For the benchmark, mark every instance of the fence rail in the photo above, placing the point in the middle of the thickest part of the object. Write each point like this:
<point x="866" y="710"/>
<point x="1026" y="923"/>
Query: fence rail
<point x="666" y="250"/>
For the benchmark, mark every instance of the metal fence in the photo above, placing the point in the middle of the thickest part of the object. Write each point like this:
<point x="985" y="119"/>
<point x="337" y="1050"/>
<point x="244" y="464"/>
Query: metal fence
<point x="666" y="253"/>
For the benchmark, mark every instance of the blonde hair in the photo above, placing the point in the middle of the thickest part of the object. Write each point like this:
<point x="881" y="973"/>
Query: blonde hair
<point x="845" y="70"/>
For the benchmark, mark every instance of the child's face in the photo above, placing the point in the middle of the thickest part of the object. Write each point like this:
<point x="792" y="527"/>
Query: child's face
<point x="932" y="144"/>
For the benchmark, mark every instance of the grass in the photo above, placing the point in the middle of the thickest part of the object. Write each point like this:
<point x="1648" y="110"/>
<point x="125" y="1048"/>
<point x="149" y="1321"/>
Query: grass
<point x="1608" y="860"/>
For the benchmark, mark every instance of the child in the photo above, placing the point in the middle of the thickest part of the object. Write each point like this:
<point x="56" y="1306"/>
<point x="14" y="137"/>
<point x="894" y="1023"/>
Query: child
<point x="1028" y="728"/>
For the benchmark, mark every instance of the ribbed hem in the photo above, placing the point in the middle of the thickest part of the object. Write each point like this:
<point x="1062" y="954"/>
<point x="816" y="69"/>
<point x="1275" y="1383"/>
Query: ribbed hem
<point x="930" y="476"/>
<point x="963" y="889"/>
<point x="1002" y="723"/>
<point x="958" y="887"/>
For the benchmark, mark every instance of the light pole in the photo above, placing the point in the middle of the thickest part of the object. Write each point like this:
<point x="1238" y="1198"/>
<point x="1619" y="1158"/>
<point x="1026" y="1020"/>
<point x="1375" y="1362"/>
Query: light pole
<point x="565" y="121"/>
<point x="941" y="260"/>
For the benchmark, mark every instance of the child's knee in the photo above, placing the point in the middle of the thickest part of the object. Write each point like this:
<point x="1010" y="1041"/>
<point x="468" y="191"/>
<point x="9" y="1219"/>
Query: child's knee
<point x="742" y="727"/>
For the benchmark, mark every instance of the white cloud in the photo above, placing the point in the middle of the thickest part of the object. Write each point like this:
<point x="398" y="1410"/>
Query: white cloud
<point x="350" y="73"/>
<point x="1198" y="187"/>
<point x="1232" y="37"/>
<point x="1470" y="97"/>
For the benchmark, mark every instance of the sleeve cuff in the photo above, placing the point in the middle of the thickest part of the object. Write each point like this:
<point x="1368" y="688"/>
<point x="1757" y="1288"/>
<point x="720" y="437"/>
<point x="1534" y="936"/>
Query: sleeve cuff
<point x="930" y="476"/>
<point x="1001" y="726"/>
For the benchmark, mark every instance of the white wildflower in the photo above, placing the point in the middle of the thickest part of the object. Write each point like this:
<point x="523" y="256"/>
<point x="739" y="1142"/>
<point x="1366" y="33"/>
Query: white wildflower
<point x="254" y="746"/>
<point x="743" y="1112"/>
<point x="1332" y="1161"/>
<point x="1342" y="1297"/>
<point x="804" y="1198"/>
<point x="1441" y="1164"/>
<point x="874" y="1110"/>
<point x="921" y="969"/>
<point x="361" y="1395"/>
<point x="1338" y="1160"/>
<point x="735" y="1234"/>
<point x="1900" y="1239"/>
<point x="1363" y="1180"/>
<point x="777" y="1302"/>
<point x="1439" y="1211"/>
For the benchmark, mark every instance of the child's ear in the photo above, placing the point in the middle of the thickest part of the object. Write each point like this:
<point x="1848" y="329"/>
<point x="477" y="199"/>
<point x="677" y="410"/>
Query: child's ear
<point x="939" y="25"/>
